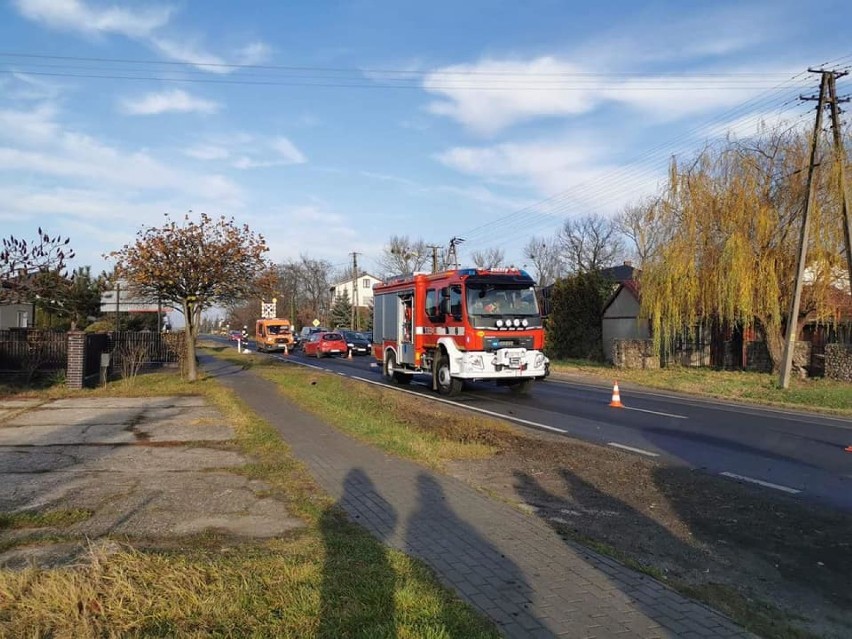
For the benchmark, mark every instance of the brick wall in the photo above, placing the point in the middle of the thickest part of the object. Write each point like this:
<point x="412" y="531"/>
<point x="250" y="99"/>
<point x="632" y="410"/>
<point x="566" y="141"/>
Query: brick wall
<point x="76" y="370"/>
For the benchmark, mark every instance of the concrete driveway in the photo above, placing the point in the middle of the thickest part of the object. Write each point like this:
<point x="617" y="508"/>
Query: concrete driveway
<point x="145" y="468"/>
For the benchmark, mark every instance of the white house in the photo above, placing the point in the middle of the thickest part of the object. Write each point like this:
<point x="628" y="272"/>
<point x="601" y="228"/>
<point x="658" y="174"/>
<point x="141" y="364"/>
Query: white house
<point x="363" y="284"/>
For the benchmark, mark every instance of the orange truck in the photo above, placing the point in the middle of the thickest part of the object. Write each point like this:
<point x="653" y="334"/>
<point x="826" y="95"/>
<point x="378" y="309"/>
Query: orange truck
<point x="274" y="334"/>
<point x="464" y="324"/>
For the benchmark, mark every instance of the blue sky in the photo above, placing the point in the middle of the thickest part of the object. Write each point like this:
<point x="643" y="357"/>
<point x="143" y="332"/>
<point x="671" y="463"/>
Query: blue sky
<point x="330" y="126"/>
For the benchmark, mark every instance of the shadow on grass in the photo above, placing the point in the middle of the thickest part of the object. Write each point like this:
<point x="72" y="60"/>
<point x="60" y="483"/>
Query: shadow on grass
<point x="358" y="582"/>
<point x="590" y="516"/>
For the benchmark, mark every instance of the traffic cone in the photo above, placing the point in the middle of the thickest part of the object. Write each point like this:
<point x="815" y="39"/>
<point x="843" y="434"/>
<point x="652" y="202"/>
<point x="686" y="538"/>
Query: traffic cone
<point x="848" y="449"/>
<point x="616" y="397"/>
<point x="349" y="354"/>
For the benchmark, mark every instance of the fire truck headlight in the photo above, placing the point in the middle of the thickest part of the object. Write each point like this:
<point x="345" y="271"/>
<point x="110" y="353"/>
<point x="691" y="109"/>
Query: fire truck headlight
<point x="517" y="322"/>
<point x="499" y="323"/>
<point x="525" y="323"/>
<point x="539" y="361"/>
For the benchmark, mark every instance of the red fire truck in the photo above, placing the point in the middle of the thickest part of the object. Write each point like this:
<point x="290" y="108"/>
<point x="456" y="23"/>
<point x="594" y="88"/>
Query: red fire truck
<point x="466" y="324"/>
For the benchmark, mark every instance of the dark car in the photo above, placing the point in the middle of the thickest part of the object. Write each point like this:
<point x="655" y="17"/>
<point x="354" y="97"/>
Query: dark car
<point x="356" y="342"/>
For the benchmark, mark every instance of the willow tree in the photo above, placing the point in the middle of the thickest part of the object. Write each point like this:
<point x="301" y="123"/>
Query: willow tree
<point x="194" y="266"/>
<point x="732" y="222"/>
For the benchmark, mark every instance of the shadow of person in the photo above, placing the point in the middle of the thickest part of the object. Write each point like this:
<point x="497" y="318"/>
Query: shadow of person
<point x="474" y="566"/>
<point x="358" y="582"/>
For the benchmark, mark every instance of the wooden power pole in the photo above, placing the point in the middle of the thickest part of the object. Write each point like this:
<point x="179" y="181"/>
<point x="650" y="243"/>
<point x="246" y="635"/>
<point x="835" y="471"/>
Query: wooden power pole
<point x="840" y="158"/>
<point x="793" y="316"/>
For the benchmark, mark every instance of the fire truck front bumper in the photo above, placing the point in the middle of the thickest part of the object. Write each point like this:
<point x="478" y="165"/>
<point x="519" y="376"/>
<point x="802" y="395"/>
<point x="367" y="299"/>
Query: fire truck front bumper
<point x="505" y="363"/>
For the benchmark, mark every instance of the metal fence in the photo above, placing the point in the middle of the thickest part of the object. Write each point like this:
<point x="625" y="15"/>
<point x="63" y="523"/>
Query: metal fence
<point x="27" y="350"/>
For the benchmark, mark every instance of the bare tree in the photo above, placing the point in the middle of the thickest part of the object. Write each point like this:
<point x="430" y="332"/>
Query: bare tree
<point x="545" y="255"/>
<point x="403" y="255"/>
<point x="590" y="243"/>
<point x="641" y="224"/>
<point x="315" y="287"/>
<point x="20" y="260"/>
<point x="489" y="258"/>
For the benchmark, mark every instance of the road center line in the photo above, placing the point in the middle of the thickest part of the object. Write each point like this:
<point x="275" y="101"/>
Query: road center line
<point x="656" y="412"/>
<point x="641" y="451"/>
<point x="760" y="482"/>
<point x="465" y="407"/>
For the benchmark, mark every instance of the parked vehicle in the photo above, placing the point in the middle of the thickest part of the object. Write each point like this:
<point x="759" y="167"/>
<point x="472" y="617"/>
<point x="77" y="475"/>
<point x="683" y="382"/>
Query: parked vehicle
<point x="357" y="342"/>
<point x="307" y="331"/>
<point x="234" y="335"/>
<point x="466" y="324"/>
<point x="322" y="344"/>
<point x="273" y="335"/>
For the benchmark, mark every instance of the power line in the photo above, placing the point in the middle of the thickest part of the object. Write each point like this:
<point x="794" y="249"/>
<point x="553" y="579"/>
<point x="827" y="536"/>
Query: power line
<point x="403" y="72"/>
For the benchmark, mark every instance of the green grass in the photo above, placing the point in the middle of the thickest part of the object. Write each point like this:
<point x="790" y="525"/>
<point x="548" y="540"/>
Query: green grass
<point x="329" y="578"/>
<point x="45" y="519"/>
<point x="417" y="430"/>
<point x="817" y="394"/>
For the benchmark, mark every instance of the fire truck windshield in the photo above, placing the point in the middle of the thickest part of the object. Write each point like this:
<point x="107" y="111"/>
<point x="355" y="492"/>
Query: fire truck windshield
<point x="486" y="299"/>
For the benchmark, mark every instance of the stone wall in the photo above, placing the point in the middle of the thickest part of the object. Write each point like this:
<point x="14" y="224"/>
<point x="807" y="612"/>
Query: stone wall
<point x="634" y="353"/>
<point x="838" y="362"/>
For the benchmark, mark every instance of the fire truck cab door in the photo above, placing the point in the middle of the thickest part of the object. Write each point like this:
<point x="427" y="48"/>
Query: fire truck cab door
<point x="405" y="351"/>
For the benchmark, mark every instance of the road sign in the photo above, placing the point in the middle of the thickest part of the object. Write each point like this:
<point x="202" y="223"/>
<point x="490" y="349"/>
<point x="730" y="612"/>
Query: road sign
<point x="267" y="309"/>
<point x="316" y="323"/>
<point x="125" y="300"/>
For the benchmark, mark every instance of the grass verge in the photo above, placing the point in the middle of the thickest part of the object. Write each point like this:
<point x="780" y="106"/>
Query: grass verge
<point x="422" y="431"/>
<point x="677" y="527"/>
<point x="329" y="578"/>
<point x="817" y="394"/>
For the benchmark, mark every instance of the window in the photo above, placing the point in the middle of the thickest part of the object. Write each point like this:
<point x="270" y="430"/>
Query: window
<point x="23" y="318"/>
<point x="433" y="300"/>
<point x="365" y="283"/>
<point x="456" y="301"/>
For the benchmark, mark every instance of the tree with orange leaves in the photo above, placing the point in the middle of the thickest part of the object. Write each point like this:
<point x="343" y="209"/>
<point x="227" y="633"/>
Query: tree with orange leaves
<point x="196" y="265"/>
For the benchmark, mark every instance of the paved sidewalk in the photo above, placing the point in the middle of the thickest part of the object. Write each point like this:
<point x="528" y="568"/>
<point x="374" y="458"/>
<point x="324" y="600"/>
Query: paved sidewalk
<point x="509" y="565"/>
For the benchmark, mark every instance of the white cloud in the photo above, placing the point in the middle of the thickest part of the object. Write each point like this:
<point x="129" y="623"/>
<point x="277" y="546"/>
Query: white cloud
<point x="184" y="50"/>
<point x="40" y="145"/>
<point x="476" y="95"/>
<point x="489" y="110"/>
<point x="147" y="24"/>
<point x="174" y="101"/>
<point x="253" y="53"/>
<point x="288" y="151"/>
<point x="207" y="152"/>
<point x="580" y="174"/>
<point x="74" y="15"/>
<point x="245" y="151"/>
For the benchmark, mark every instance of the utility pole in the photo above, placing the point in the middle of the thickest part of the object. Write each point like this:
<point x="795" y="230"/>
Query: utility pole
<point x="840" y="158"/>
<point x="434" y="257"/>
<point x="793" y="317"/>
<point x="452" y="254"/>
<point x="354" y="319"/>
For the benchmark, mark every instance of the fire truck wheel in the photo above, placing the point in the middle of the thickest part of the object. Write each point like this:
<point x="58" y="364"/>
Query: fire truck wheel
<point x="391" y="373"/>
<point x="446" y="383"/>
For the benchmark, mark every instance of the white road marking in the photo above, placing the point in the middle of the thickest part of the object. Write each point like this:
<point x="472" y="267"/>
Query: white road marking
<point x="760" y="482"/>
<point x="656" y="412"/>
<point x="633" y="450"/>
<point x="466" y="407"/>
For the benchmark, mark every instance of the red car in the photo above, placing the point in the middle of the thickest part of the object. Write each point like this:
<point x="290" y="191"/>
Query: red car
<point x="322" y="344"/>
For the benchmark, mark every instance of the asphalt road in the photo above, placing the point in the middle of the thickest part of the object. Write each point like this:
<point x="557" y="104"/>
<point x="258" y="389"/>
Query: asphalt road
<point x="794" y="452"/>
